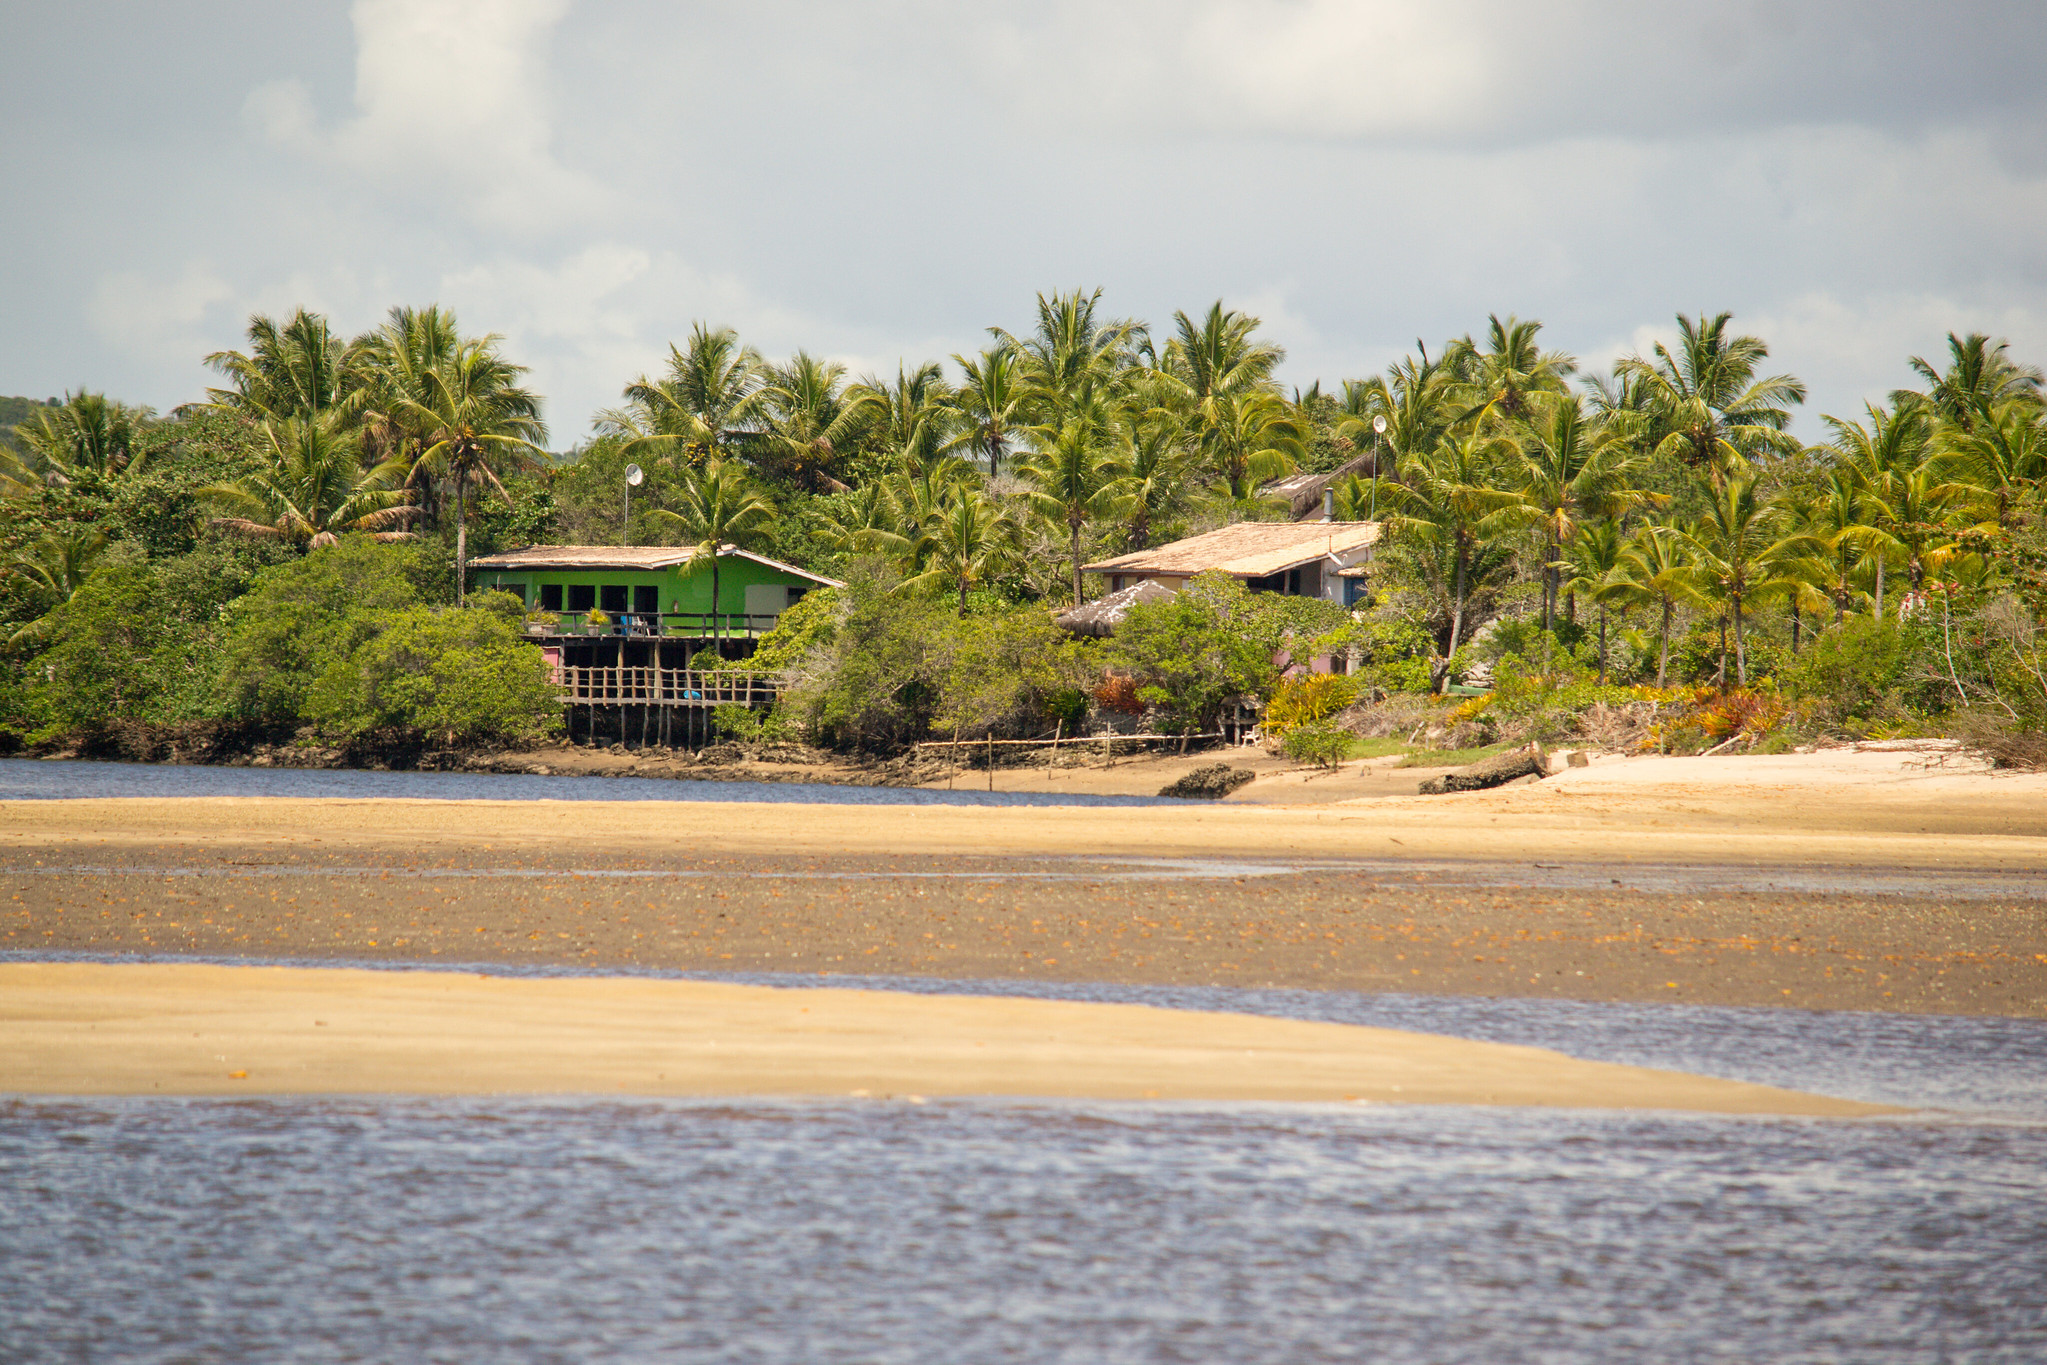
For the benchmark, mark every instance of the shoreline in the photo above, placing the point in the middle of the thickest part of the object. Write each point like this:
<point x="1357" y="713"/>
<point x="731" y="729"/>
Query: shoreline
<point x="82" y="1029"/>
<point x="1748" y="882"/>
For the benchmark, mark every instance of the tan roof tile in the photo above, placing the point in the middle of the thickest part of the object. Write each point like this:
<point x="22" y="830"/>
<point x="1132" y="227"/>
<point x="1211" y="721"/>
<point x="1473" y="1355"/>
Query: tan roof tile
<point x="1248" y="549"/>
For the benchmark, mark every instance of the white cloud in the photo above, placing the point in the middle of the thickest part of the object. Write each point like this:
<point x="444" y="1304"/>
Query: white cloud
<point x="150" y="318"/>
<point x="453" y="110"/>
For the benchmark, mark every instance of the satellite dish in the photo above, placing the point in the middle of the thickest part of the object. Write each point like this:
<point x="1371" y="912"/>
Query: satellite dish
<point x="1379" y="424"/>
<point x="633" y="476"/>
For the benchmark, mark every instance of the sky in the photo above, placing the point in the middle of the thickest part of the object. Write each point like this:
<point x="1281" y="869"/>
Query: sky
<point x="884" y="181"/>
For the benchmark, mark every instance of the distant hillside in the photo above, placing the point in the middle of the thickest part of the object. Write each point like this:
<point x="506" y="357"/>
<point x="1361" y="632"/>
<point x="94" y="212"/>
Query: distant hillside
<point x="13" y="410"/>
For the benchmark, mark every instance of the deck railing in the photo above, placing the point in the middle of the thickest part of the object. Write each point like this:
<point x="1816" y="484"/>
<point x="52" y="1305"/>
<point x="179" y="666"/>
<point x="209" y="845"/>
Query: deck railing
<point x="646" y="625"/>
<point x="650" y="686"/>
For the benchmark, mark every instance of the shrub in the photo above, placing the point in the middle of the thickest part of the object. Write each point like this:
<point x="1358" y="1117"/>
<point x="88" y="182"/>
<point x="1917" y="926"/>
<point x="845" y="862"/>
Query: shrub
<point x="1305" y="698"/>
<point x="1318" y="742"/>
<point x="441" y="675"/>
<point x="1196" y="651"/>
<point x="1856" y="669"/>
<point x="874" y="682"/>
<point x="300" y="617"/>
<point x="811" y="622"/>
<point x="734" y="721"/>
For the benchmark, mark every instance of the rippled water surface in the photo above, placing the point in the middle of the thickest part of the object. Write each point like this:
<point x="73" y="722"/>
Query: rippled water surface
<point x="445" y="1230"/>
<point x="495" y="1231"/>
<point x="24" y="779"/>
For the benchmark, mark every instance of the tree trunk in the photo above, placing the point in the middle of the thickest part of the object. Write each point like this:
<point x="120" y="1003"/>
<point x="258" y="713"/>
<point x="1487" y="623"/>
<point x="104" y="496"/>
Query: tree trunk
<point x="1456" y="621"/>
<point x="1602" y="644"/>
<point x="714" y="597"/>
<point x="963" y="595"/>
<point x="1720" y="678"/>
<point x="1663" y="645"/>
<point x="1797" y="622"/>
<point x="1740" y="652"/>
<point x="461" y="544"/>
<point x="1879" y="587"/>
<point x="1073" y="528"/>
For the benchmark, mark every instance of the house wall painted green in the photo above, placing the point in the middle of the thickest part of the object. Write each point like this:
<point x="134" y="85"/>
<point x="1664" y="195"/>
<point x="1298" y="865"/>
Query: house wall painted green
<point x="746" y="585"/>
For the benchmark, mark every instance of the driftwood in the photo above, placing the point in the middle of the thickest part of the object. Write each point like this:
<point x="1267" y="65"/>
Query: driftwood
<point x="1209" y="783"/>
<point x="1496" y="771"/>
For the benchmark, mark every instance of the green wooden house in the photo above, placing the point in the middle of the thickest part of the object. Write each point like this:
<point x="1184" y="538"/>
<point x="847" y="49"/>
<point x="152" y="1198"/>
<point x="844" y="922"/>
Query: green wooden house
<point x="644" y="605"/>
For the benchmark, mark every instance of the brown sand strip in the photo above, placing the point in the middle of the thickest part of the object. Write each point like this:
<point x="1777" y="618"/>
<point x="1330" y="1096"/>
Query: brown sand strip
<point x="189" y="1029"/>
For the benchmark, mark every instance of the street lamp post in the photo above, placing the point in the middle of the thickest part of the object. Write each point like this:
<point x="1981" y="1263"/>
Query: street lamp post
<point x="633" y="476"/>
<point x="1378" y="441"/>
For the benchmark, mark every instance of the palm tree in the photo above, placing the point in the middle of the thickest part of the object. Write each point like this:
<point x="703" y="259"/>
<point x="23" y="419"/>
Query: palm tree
<point x="1829" y="537"/>
<point x="970" y="541"/>
<point x="1735" y="549"/>
<point x="719" y="506"/>
<point x="474" y="420"/>
<point x="299" y="369"/>
<point x="1075" y="359"/>
<point x="57" y="562"/>
<point x="701" y="409"/>
<point x="1656" y="570"/>
<point x="1076" y="474"/>
<point x="1499" y="380"/>
<point x="1250" y="439"/>
<point x="1161" y="477"/>
<point x="1980" y="377"/>
<point x="912" y="421"/>
<point x="393" y="363"/>
<point x="1216" y="359"/>
<point x="312" y="488"/>
<point x="2001" y="456"/>
<point x="992" y="403"/>
<point x="1594" y="559"/>
<point x="808" y="416"/>
<point x="86" y="435"/>
<point x="1448" y="506"/>
<point x="865" y="521"/>
<point x="1415" y="397"/>
<point x="1713" y="412"/>
<point x="1572" y="467"/>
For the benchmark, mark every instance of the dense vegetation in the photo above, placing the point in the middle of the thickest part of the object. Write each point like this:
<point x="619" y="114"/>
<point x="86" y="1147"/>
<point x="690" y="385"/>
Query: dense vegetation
<point x="1643" y="557"/>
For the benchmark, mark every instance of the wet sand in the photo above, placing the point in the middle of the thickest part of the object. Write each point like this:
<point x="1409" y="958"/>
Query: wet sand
<point x="1850" y="881"/>
<point x="94" y="1029"/>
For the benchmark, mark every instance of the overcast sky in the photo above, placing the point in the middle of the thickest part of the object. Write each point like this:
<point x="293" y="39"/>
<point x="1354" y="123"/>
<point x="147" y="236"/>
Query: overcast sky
<point x="886" y="180"/>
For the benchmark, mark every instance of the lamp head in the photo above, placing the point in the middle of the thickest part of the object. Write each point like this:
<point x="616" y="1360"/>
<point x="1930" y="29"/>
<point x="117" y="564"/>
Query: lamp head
<point x="634" y="475"/>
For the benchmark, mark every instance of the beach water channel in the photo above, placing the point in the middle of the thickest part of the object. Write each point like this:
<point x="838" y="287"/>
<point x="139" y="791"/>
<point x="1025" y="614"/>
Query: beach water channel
<point x="888" y="1229"/>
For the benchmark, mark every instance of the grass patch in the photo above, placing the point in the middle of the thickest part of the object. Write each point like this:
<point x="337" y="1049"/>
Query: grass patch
<point x="1451" y="758"/>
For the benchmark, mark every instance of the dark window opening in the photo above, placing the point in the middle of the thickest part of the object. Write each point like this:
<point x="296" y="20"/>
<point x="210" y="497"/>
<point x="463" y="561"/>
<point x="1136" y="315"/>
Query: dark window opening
<point x="611" y="598"/>
<point x="517" y="590"/>
<point x="647" y="600"/>
<point x="550" y="597"/>
<point x="582" y="597"/>
<point x="796" y="595"/>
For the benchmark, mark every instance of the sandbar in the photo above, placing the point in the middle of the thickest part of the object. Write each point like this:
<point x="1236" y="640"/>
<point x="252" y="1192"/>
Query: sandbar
<point x="199" y="1029"/>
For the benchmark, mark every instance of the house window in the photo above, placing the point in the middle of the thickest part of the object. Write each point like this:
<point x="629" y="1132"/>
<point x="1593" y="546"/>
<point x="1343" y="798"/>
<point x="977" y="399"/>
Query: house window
<point x="611" y="598"/>
<point x="582" y="597"/>
<point x="517" y="590"/>
<point x="646" y="600"/>
<point x="550" y="597"/>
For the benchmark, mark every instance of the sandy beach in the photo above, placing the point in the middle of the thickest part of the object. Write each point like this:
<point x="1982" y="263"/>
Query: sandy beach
<point x="1888" y="881"/>
<point x="209" y="1030"/>
<point x="1875" y="881"/>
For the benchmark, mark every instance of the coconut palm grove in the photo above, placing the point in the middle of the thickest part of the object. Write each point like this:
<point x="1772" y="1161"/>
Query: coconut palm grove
<point x="1645" y="559"/>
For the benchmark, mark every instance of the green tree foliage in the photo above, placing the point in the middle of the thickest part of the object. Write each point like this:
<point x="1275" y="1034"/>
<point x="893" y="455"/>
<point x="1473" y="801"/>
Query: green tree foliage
<point x="1196" y="652"/>
<point x="300" y="617"/>
<point x="438" y="675"/>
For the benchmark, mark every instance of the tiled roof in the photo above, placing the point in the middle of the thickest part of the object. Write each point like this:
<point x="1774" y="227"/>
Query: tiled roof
<point x="628" y="557"/>
<point x="1249" y="549"/>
